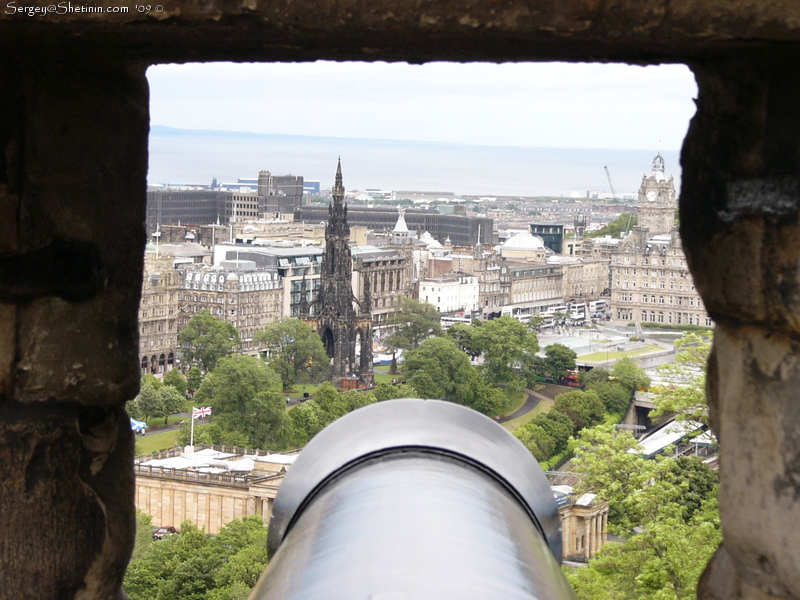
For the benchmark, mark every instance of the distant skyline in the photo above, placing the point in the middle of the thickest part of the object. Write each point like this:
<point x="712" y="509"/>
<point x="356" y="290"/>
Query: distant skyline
<point x="557" y="105"/>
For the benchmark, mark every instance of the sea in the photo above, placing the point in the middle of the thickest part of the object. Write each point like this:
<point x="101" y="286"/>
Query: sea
<point x="189" y="156"/>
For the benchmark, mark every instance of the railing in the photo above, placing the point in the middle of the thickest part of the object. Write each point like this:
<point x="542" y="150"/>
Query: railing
<point x="226" y="479"/>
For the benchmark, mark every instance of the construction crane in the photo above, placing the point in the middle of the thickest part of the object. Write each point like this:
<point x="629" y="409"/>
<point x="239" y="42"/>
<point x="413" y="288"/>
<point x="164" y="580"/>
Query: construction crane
<point x="614" y="197"/>
<point x="611" y="184"/>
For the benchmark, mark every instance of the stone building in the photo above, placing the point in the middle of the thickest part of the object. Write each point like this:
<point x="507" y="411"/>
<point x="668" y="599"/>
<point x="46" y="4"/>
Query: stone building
<point x="158" y="314"/>
<point x="584" y="523"/>
<point x="586" y="277"/>
<point x="389" y="272"/>
<point x="210" y="486"/>
<point x="279" y="195"/>
<point x="530" y="288"/>
<point x="74" y="95"/>
<point x="342" y="321"/>
<point x="464" y="231"/>
<point x="457" y="292"/>
<point x="650" y="278"/>
<point x="235" y="291"/>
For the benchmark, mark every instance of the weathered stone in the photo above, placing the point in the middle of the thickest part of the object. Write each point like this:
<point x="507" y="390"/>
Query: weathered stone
<point x="63" y="518"/>
<point x="84" y="352"/>
<point x="757" y="374"/>
<point x="73" y="136"/>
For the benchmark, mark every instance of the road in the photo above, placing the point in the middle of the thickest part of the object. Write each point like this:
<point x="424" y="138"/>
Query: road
<point x="549" y="392"/>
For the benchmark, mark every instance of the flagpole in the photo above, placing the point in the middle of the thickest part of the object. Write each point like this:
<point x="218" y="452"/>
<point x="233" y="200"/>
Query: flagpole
<point x="191" y="435"/>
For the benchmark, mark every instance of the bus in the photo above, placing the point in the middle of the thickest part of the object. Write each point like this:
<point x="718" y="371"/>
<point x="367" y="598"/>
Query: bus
<point x="598" y="306"/>
<point x="448" y="321"/>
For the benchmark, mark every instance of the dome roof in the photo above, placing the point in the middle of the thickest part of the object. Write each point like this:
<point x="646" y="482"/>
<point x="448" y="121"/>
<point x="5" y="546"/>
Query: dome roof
<point x="428" y="239"/>
<point x="524" y="241"/>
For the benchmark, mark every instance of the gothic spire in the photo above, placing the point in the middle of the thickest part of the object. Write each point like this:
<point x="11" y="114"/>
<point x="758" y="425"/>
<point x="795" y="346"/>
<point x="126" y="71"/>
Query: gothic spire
<point x="338" y="186"/>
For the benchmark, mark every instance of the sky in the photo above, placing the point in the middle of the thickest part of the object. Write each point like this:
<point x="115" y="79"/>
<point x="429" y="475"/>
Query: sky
<point x="552" y="105"/>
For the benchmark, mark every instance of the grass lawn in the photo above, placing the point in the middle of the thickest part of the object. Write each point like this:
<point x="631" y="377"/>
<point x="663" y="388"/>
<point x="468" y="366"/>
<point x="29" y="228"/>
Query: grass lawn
<point x="158" y="441"/>
<point x="300" y="388"/>
<point x="156" y="422"/>
<point x="385" y="377"/>
<point x="604" y="356"/>
<point x="147" y="444"/>
<point x="542" y="407"/>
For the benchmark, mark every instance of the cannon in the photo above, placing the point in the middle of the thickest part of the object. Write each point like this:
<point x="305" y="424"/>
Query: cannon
<point x="414" y="499"/>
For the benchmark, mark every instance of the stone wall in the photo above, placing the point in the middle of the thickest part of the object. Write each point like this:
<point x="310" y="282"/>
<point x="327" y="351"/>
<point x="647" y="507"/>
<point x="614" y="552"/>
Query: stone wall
<point x="73" y="135"/>
<point x="171" y="500"/>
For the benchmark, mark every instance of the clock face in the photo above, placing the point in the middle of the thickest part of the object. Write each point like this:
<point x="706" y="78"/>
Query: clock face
<point x="651" y="195"/>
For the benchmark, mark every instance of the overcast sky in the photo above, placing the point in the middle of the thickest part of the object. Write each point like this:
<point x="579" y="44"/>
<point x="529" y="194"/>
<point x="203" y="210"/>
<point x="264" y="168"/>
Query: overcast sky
<point x="514" y="104"/>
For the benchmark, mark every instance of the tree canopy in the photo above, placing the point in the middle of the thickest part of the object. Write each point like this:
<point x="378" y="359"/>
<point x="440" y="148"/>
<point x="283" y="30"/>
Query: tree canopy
<point x="206" y="339"/>
<point x="411" y="323"/>
<point x="175" y="378"/>
<point x="559" y="360"/>
<point x="246" y="397"/>
<point x="685" y="394"/>
<point x="626" y="372"/>
<point x="155" y="400"/>
<point x="328" y="404"/>
<point x="438" y="369"/>
<point x="584" y="408"/>
<point x="295" y="352"/>
<point x="615" y="227"/>
<point x="462" y="335"/>
<point x="191" y="565"/>
<point x="508" y="347"/>
<point x="389" y="391"/>
<point x="667" y="510"/>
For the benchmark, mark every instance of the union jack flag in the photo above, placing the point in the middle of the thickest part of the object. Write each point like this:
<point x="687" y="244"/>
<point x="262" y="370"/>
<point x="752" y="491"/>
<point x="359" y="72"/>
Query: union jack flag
<point x="201" y="413"/>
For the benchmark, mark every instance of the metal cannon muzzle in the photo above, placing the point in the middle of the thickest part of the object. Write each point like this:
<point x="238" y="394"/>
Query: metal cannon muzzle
<point x="414" y="499"/>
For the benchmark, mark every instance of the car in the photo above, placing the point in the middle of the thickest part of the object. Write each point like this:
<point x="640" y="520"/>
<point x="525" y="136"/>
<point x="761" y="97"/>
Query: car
<point x="160" y="532"/>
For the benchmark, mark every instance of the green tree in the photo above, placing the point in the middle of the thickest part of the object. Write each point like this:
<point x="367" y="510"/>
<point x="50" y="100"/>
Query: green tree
<point x="616" y="397"/>
<point x="701" y="483"/>
<point x="509" y="348"/>
<point x="194" y="378"/>
<point x="411" y="323"/>
<point x="664" y="561"/>
<point x="685" y="394"/>
<point x="438" y="369"/>
<point x="295" y="351"/>
<point x="206" y="339"/>
<point x="558" y="426"/>
<point x="538" y="441"/>
<point x="586" y="406"/>
<point x="388" y="391"/>
<point x="462" y="335"/>
<point x="596" y="375"/>
<point x="247" y="398"/>
<point x="622" y="223"/>
<point x="626" y="372"/>
<point x="559" y="360"/>
<point x="211" y="434"/>
<point x="175" y="379"/>
<point x="133" y="408"/>
<point x="172" y="400"/>
<point x="194" y="566"/>
<point x="150" y="401"/>
<point x="327" y="405"/>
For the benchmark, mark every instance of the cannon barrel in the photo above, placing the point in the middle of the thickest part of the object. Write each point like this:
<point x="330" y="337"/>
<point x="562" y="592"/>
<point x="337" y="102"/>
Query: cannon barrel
<point x="414" y="500"/>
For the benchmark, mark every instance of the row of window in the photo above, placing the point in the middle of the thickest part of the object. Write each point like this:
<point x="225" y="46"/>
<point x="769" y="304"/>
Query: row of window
<point x="668" y="318"/>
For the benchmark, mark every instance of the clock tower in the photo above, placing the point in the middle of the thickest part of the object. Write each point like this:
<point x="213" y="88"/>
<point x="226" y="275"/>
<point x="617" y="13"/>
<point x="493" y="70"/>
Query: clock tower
<point x="657" y="202"/>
